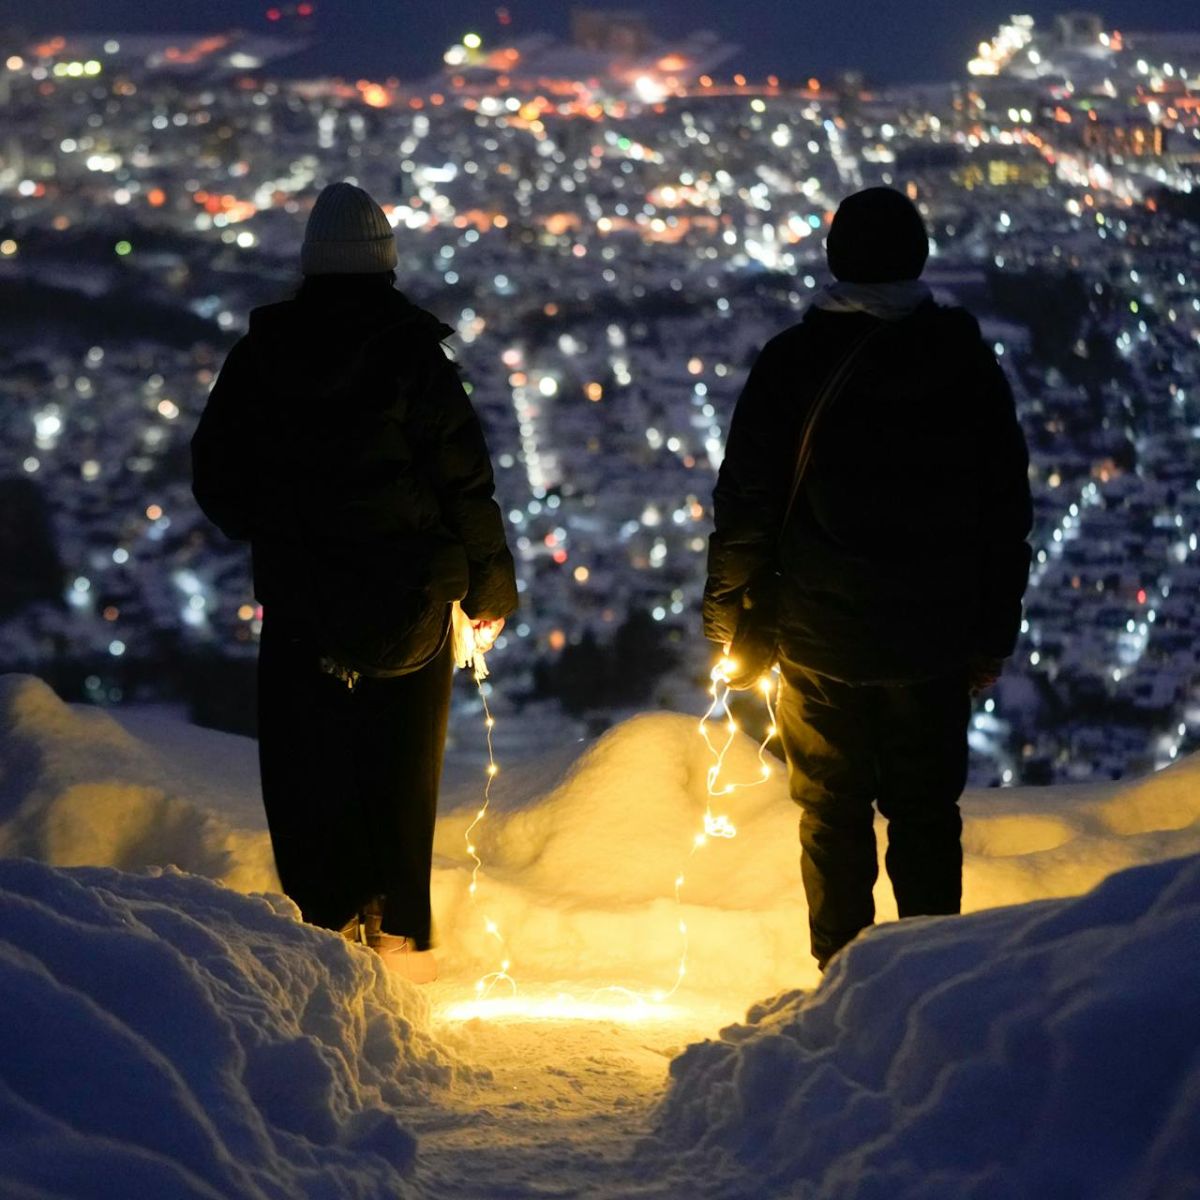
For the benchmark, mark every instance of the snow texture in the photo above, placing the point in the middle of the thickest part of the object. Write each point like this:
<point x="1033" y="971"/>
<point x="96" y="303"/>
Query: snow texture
<point x="166" y="1037"/>
<point x="176" y="1033"/>
<point x="580" y="860"/>
<point x="580" y="849"/>
<point x="1050" y="1049"/>
<point x="77" y="789"/>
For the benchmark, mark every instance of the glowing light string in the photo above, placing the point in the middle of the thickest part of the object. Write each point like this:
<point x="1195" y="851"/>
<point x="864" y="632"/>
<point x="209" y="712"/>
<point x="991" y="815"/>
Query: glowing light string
<point x="715" y="825"/>
<point x="719" y="825"/>
<point x="638" y="1005"/>
<point x="469" y="653"/>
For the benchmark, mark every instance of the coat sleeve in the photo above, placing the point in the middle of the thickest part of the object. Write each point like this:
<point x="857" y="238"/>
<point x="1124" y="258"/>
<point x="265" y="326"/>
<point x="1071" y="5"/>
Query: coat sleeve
<point x="463" y="470"/>
<point x="1006" y="514"/>
<point x="750" y="496"/>
<point x="222" y="476"/>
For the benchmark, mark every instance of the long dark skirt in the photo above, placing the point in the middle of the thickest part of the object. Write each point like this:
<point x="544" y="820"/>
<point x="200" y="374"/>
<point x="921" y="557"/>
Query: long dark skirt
<point x="350" y="782"/>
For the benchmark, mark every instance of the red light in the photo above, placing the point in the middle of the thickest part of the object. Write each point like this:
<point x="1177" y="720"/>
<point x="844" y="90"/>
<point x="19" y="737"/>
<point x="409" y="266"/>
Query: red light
<point x="273" y="14"/>
<point x="1141" y="595"/>
<point x="560" y="556"/>
<point x="306" y="10"/>
<point x="504" y="16"/>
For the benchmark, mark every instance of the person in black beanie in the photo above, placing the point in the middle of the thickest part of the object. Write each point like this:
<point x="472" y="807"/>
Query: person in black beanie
<point x="889" y="570"/>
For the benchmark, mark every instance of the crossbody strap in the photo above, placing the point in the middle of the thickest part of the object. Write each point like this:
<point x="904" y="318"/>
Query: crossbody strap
<point x="830" y="390"/>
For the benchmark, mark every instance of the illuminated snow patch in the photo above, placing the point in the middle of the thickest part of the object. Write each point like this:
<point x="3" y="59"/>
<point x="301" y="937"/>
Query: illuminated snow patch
<point x="561" y="1006"/>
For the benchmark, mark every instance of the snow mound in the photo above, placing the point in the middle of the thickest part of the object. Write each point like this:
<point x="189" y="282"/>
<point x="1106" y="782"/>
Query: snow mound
<point x="579" y="863"/>
<point x="76" y="789"/>
<point x="164" y="1036"/>
<point x="580" y="849"/>
<point x="1050" y="1049"/>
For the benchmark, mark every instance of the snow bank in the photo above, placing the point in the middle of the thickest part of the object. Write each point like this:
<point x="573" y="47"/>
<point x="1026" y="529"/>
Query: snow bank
<point x="166" y="1037"/>
<point x="77" y="789"/>
<point x="1050" y="1049"/>
<point x="580" y="850"/>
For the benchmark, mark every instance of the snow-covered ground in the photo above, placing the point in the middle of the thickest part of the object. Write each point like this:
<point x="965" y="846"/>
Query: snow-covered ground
<point x="166" y="1036"/>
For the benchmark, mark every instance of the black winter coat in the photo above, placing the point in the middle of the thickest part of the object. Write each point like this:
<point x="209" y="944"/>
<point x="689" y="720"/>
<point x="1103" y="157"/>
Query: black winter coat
<point x="339" y="432"/>
<point x="906" y="551"/>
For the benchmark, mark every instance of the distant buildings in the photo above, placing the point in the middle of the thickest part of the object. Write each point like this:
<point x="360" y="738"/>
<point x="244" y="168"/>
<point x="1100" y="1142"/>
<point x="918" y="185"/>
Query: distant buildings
<point x="614" y="227"/>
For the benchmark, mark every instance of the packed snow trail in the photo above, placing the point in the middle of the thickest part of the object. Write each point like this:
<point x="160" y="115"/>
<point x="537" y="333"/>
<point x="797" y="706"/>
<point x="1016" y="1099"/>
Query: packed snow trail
<point x="566" y="1106"/>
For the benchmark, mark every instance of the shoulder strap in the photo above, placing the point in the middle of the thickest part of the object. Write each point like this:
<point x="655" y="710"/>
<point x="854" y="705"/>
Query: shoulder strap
<point x="830" y="390"/>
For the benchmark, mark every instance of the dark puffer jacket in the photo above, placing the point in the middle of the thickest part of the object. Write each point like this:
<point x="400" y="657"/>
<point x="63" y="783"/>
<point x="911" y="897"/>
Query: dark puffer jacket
<point x="906" y="552"/>
<point x="339" y="432"/>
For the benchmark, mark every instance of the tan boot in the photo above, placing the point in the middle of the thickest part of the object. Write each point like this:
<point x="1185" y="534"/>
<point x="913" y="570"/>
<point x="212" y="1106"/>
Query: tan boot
<point x="352" y="930"/>
<point x="401" y="956"/>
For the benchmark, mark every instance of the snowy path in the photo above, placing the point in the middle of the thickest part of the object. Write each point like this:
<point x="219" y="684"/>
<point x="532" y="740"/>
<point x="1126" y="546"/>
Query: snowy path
<point x="565" y="1107"/>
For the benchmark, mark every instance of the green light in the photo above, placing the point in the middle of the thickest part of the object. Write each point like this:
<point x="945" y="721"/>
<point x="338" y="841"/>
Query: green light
<point x="472" y="41"/>
<point x="123" y="248"/>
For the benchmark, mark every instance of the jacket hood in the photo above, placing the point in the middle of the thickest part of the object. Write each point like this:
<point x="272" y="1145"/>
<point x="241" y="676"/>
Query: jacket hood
<point x="312" y="348"/>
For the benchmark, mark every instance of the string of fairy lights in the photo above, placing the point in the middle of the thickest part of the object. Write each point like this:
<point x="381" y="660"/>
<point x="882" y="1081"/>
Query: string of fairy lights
<point x="469" y="653"/>
<point x="719" y="825"/>
<point x="715" y="825"/>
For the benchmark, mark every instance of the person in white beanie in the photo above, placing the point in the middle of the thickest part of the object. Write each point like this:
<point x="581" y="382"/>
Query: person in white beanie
<point x="339" y="441"/>
<point x="347" y="234"/>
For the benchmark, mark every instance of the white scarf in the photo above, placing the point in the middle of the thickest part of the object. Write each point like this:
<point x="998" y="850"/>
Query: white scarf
<point x="888" y="301"/>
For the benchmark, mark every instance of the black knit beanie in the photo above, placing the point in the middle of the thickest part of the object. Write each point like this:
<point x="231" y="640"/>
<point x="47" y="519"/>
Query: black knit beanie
<point x="877" y="236"/>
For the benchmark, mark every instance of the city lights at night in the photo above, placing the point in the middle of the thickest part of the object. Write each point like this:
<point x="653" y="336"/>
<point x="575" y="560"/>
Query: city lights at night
<point x="587" y="213"/>
<point x="541" y="925"/>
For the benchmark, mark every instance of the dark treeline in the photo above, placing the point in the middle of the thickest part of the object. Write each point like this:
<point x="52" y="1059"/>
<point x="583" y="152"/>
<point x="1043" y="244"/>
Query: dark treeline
<point x="126" y="314"/>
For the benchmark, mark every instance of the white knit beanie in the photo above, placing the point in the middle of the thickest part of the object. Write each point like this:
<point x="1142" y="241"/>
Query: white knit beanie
<point x="347" y="234"/>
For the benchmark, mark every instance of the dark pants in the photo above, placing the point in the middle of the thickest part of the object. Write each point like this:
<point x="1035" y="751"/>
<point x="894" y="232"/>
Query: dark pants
<point x="350" y="782"/>
<point x="903" y="747"/>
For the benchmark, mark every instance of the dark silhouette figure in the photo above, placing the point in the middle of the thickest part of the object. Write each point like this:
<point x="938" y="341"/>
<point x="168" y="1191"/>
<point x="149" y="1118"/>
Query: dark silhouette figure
<point x="340" y="443"/>
<point x="896" y="580"/>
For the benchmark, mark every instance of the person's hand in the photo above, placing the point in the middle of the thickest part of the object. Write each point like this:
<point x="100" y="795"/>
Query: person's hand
<point x="982" y="671"/>
<point x="486" y="633"/>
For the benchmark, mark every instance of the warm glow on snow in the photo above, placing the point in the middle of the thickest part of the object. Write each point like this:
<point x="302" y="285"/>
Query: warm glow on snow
<point x="625" y="1007"/>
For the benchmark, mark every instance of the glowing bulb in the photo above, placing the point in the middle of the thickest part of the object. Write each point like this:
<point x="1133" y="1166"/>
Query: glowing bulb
<point x="490" y="925"/>
<point x="766" y="685"/>
<point x="470" y="848"/>
<point x="766" y="772"/>
<point x="771" y="731"/>
<point x="493" y="769"/>
<point x="700" y="839"/>
<point x="682" y="927"/>
<point x="725" y="669"/>
<point x="490" y="723"/>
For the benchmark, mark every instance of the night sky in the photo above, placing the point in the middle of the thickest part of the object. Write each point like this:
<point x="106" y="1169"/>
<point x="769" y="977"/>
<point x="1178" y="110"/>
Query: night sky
<point x="889" y="39"/>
